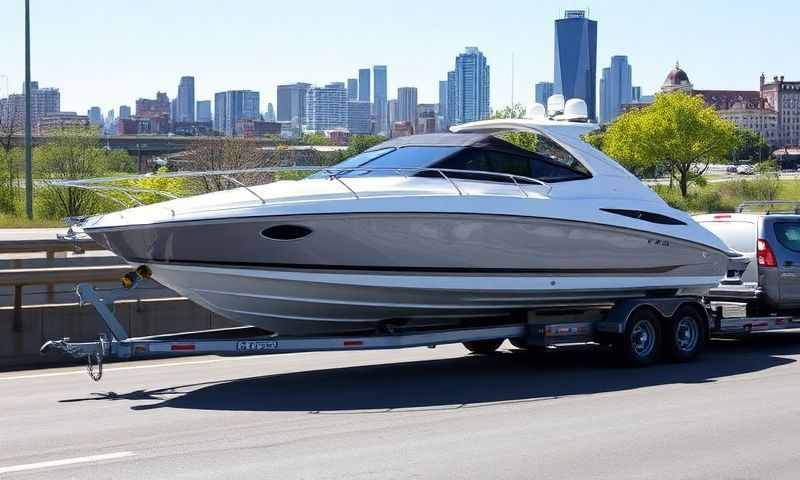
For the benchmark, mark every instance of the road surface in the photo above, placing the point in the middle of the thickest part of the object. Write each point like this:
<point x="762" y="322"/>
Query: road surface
<point x="415" y="413"/>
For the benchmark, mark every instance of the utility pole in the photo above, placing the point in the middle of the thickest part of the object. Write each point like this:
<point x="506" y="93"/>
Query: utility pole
<point x="28" y="139"/>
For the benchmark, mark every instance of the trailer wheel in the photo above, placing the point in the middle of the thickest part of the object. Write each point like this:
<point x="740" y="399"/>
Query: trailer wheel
<point x="483" y="346"/>
<point x="686" y="334"/>
<point x="640" y="344"/>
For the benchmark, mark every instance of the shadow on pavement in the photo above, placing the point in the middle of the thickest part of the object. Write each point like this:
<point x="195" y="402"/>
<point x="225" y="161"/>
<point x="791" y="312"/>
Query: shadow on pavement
<point x="471" y="379"/>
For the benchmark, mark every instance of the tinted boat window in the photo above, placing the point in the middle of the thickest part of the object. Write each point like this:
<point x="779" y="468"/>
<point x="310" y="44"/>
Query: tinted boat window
<point x="355" y="161"/>
<point x="526" y="164"/>
<point x="788" y="235"/>
<point x="400" y="158"/>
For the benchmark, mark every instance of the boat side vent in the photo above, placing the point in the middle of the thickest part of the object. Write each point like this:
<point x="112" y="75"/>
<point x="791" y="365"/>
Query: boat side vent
<point x="645" y="216"/>
<point x="285" y="232"/>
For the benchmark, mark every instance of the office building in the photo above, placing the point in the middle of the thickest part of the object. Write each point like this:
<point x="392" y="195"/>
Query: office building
<point x="232" y="106"/>
<point x="407" y="105"/>
<point x="391" y="111"/>
<point x="381" y="94"/>
<point x="150" y="108"/>
<point x="184" y="111"/>
<point x="292" y="104"/>
<point x="543" y="91"/>
<point x="203" y="112"/>
<point x="124" y="111"/>
<point x="326" y="107"/>
<point x="472" y="87"/>
<point x="616" y="88"/>
<point x="576" y="59"/>
<point x="359" y="120"/>
<point x="636" y="94"/>
<point x="44" y="101"/>
<point x="363" y="85"/>
<point x="444" y="118"/>
<point x="95" y="116"/>
<point x="352" y="89"/>
<point x="269" y="115"/>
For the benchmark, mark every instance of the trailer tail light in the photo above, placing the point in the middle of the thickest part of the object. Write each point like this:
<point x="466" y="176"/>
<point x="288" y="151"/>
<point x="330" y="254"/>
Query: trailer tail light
<point x="722" y="216"/>
<point x="766" y="257"/>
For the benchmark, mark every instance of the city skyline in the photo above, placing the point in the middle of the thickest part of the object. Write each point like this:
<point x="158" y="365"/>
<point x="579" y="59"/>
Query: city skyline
<point x="716" y="54"/>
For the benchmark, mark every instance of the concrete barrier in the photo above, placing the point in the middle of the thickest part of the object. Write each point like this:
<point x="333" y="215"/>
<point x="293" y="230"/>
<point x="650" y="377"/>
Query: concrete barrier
<point x="140" y="317"/>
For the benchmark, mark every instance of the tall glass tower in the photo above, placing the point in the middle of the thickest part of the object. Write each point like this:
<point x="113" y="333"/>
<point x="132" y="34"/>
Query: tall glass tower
<point x="472" y="87"/>
<point x="185" y="105"/>
<point x="381" y="95"/>
<point x="576" y="59"/>
<point x="615" y="88"/>
<point x="363" y="85"/>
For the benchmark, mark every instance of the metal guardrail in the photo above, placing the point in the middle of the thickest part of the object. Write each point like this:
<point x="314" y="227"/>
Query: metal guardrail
<point x="20" y="277"/>
<point x="767" y="206"/>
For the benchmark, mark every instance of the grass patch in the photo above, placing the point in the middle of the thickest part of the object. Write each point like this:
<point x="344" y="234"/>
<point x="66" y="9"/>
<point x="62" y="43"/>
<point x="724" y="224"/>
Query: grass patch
<point x="726" y="196"/>
<point x="21" y="221"/>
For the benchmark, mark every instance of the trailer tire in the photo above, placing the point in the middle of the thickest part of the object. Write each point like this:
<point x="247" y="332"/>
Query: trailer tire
<point x="685" y="334"/>
<point x="483" y="346"/>
<point x="641" y="342"/>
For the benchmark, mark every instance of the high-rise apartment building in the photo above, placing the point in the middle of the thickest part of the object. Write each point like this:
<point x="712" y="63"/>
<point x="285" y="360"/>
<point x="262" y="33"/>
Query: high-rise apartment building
<point x="407" y="105"/>
<point x="543" y="91"/>
<point x="359" y="120"/>
<point x="44" y="101"/>
<point x="575" y="71"/>
<point x="364" y="85"/>
<point x="472" y="86"/>
<point x="184" y="109"/>
<point x="616" y="88"/>
<point x="232" y="106"/>
<point x="326" y="107"/>
<point x="381" y="99"/>
<point x="784" y="98"/>
<point x="352" y="89"/>
<point x="203" y="111"/>
<point x="292" y="104"/>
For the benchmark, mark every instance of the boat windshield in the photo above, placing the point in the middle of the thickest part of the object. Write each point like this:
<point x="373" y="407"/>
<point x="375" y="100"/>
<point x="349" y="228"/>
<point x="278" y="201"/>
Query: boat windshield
<point x="543" y="162"/>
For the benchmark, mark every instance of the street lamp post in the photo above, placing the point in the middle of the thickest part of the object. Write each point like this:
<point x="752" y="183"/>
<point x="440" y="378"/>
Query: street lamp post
<point x="28" y="139"/>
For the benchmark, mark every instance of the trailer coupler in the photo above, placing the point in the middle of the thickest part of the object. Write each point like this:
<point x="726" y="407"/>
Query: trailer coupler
<point x="93" y="352"/>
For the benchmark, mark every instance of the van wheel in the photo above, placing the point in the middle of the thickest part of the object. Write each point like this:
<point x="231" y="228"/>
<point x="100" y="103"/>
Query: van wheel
<point x="483" y="346"/>
<point x="641" y="342"/>
<point x="686" y="334"/>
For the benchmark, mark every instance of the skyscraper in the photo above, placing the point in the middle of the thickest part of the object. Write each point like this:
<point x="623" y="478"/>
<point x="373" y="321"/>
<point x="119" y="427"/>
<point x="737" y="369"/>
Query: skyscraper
<point x="326" y="107"/>
<point x="352" y="89"/>
<point x="203" y="111"/>
<point x="292" y="104"/>
<point x="124" y="111"/>
<point x="95" y="116"/>
<point x="358" y="117"/>
<point x="543" y="91"/>
<point x="636" y="94"/>
<point x="270" y="114"/>
<point x="472" y="86"/>
<point x="232" y="106"/>
<point x="615" y="88"/>
<point x="407" y="105"/>
<point x="381" y="94"/>
<point x="184" y="111"/>
<point x="363" y="85"/>
<point x="444" y="117"/>
<point x="575" y="73"/>
<point x="451" y="97"/>
<point x="44" y="101"/>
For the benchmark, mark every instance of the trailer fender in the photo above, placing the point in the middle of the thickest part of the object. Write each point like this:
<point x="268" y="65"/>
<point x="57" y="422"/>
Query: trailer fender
<point x="617" y="318"/>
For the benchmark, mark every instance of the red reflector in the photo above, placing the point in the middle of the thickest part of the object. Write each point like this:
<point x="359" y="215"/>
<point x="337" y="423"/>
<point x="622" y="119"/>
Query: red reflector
<point x="764" y="254"/>
<point x="720" y="216"/>
<point x="180" y="347"/>
<point x="353" y="343"/>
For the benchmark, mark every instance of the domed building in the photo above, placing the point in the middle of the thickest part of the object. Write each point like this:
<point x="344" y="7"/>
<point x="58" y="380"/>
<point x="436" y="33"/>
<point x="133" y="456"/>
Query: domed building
<point x="677" y="79"/>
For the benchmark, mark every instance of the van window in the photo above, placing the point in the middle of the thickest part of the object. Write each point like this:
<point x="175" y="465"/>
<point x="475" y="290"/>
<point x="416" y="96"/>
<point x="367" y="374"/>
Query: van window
<point x="740" y="236"/>
<point x="788" y="235"/>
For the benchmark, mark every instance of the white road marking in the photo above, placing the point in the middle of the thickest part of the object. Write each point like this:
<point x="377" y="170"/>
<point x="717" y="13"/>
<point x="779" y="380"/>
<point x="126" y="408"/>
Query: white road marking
<point x="65" y="461"/>
<point x="135" y="367"/>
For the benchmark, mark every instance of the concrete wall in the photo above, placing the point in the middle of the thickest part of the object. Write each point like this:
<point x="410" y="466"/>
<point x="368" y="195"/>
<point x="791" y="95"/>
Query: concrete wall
<point x="140" y="317"/>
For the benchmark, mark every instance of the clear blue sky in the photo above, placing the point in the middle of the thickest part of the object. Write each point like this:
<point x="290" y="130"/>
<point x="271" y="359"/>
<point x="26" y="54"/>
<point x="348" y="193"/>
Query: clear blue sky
<point x="110" y="52"/>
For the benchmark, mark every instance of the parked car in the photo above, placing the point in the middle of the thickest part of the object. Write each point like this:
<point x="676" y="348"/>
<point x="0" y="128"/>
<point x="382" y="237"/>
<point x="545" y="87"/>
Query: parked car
<point x="771" y="281"/>
<point x="745" y="170"/>
<point x="731" y="169"/>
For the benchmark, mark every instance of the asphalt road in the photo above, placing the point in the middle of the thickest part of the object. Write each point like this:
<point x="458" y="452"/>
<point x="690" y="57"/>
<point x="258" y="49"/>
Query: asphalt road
<point x="415" y="413"/>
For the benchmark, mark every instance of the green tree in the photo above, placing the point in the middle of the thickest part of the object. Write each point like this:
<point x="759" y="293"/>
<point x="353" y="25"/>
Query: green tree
<point x="511" y="111"/>
<point x="527" y="140"/>
<point x="315" y="139"/>
<point x="677" y="131"/>
<point x="749" y="146"/>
